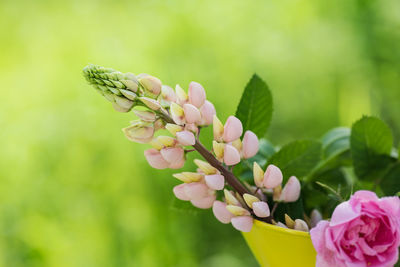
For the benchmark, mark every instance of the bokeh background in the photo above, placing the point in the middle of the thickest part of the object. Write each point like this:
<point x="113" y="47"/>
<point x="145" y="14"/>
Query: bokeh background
<point x="75" y="192"/>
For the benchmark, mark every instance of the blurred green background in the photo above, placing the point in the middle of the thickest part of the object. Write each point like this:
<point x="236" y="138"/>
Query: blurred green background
<point x="75" y="192"/>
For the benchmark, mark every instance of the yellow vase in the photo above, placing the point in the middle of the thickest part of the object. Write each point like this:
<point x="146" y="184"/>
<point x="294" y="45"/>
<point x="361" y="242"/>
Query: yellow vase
<point x="275" y="246"/>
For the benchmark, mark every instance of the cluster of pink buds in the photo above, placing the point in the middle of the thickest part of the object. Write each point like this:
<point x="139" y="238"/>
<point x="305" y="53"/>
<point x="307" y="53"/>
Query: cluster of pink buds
<point x="159" y="107"/>
<point x="227" y="146"/>
<point x="271" y="181"/>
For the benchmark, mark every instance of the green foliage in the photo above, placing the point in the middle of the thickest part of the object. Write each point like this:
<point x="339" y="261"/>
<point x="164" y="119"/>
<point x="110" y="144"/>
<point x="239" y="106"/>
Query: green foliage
<point x="390" y="183"/>
<point x="297" y="158"/>
<point x="255" y="107"/>
<point x="371" y="144"/>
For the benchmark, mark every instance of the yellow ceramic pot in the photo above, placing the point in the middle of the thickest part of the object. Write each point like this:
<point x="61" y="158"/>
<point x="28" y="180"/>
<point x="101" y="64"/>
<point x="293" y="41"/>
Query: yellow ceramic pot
<point x="275" y="246"/>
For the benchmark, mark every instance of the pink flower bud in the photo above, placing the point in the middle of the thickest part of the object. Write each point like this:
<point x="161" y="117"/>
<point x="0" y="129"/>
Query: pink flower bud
<point x="272" y="177"/>
<point x="172" y="154"/>
<point x="300" y="225"/>
<point x="291" y="190"/>
<point x="261" y="209"/>
<point x="139" y="132"/>
<point x="177" y="164"/>
<point x="145" y="115"/>
<point x="191" y="127"/>
<point x="197" y="95"/>
<point x="192" y="114"/>
<point x="196" y="190"/>
<point x="221" y="213"/>
<point x="215" y="181"/>
<point x="316" y="217"/>
<point x="151" y="84"/>
<point x="242" y="223"/>
<point x="168" y="93"/>
<point x="179" y="192"/>
<point x="233" y="129"/>
<point x="204" y="203"/>
<point x="231" y="155"/>
<point x="155" y="159"/>
<point x="185" y="138"/>
<point x="250" y="144"/>
<point x="119" y="108"/>
<point x="207" y="113"/>
<point x="150" y="103"/>
<point x="123" y="102"/>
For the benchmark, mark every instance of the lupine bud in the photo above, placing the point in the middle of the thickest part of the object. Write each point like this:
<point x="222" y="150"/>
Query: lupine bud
<point x="276" y="193"/>
<point x="289" y="221"/>
<point x="207" y="113"/>
<point x="167" y="141"/>
<point x="230" y="198"/>
<point x="258" y="174"/>
<point x="179" y="192"/>
<point x="215" y="181"/>
<point x="218" y="149"/>
<point x="316" y="217"/>
<point x="139" y="132"/>
<point x="150" y="103"/>
<point x="272" y="177"/>
<point x="237" y="144"/>
<point x="281" y="225"/>
<point x="155" y="159"/>
<point x="172" y="154"/>
<point x="242" y="223"/>
<point x="159" y="124"/>
<point x="173" y="128"/>
<point x="205" y="167"/>
<point x="250" y="199"/>
<point x="291" y="190"/>
<point x="218" y="129"/>
<point x="128" y="94"/>
<point x="196" y="190"/>
<point x="192" y="114"/>
<point x="123" y="102"/>
<point x="261" y="209"/>
<point x="250" y="144"/>
<point x="237" y="211"/>
<point x="188" y="177"/>
<point x="233" y="129"/>
<point x="192" y="128"/>
<point x="145" y="115"/>
<point x="185" y="138"/>
<point x="182" y="97"/>
<point x="300" y="225"/>
<point x="168" y="94"/>
<point x="197" y="95"/>
<point x="151" y="84"/>
<point x="204" y="203"/>
<point x="221" y="213"/>
<point x="231" y="155"/>
<point x="177" y="113"/>
<point x="177" y="164"/>
<point x="155" y="143"/>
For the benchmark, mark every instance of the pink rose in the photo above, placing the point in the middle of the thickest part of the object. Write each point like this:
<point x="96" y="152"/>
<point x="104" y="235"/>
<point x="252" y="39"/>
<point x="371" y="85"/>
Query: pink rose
<point x="363" y="232"/>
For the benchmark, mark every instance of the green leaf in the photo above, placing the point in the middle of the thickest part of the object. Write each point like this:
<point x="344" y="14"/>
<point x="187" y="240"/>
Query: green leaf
<point x="297" y="158"/>
<point x="335" y="151"/>
<point x="371" y="143"/>
<point x="266" y="148"/>
<point x="390" y="183"/>
<point x="255" y="106"/>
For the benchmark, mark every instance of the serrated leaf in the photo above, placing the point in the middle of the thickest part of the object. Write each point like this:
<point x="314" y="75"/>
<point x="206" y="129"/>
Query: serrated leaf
<point x="371" y="143"/>
<point x="297" y="158"/>
<point x="390" y="183"/>
<point x="255" y="106"/>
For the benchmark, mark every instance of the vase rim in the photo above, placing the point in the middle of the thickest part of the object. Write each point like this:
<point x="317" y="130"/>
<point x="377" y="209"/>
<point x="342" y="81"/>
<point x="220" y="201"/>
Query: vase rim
<point x="281" y="229"/>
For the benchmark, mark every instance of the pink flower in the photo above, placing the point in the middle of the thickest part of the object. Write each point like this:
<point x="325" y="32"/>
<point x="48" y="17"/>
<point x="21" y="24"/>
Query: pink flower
<point x="363" y="232"/>
<point x="233" y="129"/>
<point x="250" y="144"/>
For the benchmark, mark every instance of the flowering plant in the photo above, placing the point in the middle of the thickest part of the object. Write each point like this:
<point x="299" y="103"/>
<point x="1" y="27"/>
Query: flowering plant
<point x="243" y="178"/>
